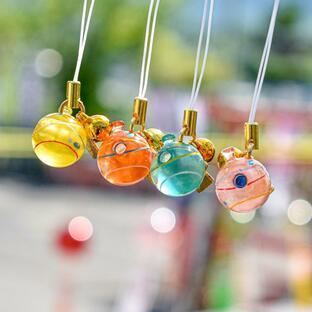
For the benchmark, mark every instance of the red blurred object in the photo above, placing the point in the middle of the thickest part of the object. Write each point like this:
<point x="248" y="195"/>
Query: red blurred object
<point x="69" y="245"/>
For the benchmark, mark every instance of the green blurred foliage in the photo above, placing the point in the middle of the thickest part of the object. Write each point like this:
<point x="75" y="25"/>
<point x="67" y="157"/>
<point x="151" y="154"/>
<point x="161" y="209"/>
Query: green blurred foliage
<point x="116" y="39"/>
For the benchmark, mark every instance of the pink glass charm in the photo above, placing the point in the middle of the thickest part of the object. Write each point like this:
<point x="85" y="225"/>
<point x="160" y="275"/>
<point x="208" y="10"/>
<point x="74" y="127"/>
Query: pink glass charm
<point x="242" y="184"/>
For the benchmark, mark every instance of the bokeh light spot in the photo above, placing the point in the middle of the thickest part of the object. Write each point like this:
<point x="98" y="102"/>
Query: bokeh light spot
<point x="163" y="220"/>
<point x="243" y="217"/>
<point x="80" y="229"/>
<point x="48" y="63"/>
<point x="299" y="212"/>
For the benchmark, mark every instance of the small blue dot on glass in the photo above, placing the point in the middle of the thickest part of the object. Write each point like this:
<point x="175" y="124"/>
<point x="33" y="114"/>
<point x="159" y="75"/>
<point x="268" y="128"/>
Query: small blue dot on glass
<point x="77" y="145"/>
<point x="240" y="180"/>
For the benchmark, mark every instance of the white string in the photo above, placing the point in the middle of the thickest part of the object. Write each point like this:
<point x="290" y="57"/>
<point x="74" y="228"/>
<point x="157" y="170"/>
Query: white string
<point x="84" y="10"/>
<point x="197" y="82"/>
<point x="148" y="47"/>
<point x="263" y="63"/>
<point x="150" y="10"/>
<point x="85" y="23"/>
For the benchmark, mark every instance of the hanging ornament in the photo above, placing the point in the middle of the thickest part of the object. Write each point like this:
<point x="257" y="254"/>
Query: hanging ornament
<point x="243" y="184"/>
<point x="125" y="157"/>
<point x="180" y="167"/>
<point x="59" y="140"/>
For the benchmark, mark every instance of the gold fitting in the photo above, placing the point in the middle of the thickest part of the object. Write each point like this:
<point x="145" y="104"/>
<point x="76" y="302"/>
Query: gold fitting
<point x="190" y="122"/>
<point x="82" y="117"/>
<point x="139" y="111"/>
<point x="251" y="135"/>
<point x="154" y="138"/>
<point x="73" y="94"/>
<point x="207" y="181"/>
<point x="228" y="154"/>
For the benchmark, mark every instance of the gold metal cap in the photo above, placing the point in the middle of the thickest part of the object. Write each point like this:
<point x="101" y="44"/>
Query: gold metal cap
<point x="252" y="135"/>
<point x="189" y="123"/>
<point x="139" y="111"/>
<point x="73" y="94"/>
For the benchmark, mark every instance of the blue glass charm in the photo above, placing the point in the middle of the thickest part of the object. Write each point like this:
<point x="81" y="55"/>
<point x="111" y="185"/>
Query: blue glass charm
<point x="178" y="169"/>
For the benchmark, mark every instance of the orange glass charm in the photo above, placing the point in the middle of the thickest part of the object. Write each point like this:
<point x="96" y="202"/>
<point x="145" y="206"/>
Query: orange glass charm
<point x="242" y="184"/>
<point x="124" y="157"/>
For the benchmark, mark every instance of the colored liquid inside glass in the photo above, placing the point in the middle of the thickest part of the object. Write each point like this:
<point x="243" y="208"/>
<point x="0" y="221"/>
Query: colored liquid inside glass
<point x="243" y="185"/>
<point x="59" y="140"/>
<point x="124" y="158"/>
<point x="179" y="168"/>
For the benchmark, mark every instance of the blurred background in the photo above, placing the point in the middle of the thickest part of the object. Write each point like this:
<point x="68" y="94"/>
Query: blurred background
<point x="69" y="242"/>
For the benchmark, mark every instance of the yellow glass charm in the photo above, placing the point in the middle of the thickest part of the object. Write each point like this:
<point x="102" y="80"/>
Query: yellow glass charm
<point x="59" y="140"/>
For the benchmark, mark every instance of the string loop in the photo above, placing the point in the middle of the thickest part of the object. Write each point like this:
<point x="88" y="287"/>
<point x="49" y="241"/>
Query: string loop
<point x="85" y="23"/>
<point x="148" y="46"/>
<point x="197" y="81"/>
<point x="263" y="63"/>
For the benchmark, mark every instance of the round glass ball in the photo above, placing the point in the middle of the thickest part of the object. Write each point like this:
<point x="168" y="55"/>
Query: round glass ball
<point x="59" y="140"/>
<point x="178" y="169"/>
<point x="243" y="185"/>
<point x="124" y="158"/>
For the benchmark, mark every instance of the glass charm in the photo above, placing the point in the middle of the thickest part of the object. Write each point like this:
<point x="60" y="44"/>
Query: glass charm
<point x="124" y="158"/>
<point x="179" y="168"/>
<point x="242" y="184"/>
<point x="59" y="140"/>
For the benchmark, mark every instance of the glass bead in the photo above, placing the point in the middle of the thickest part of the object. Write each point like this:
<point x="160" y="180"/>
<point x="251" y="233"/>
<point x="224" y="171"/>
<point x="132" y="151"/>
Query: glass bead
<point x="59" y="140"/>
<point x="179" y="168"/>
<point x="120" y="148"/>
<point x="124" y="158"/>
<point x="240" y="180"/>
<point x="243" y="184"/>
